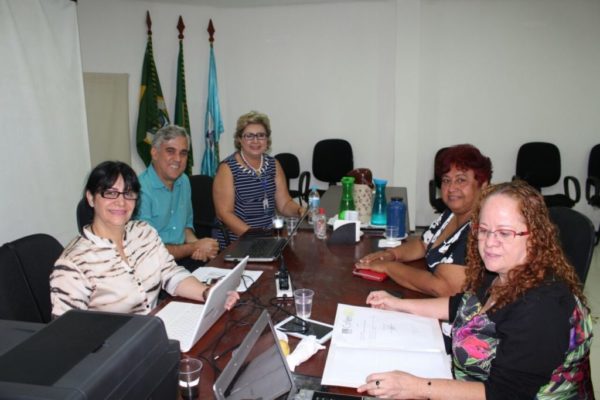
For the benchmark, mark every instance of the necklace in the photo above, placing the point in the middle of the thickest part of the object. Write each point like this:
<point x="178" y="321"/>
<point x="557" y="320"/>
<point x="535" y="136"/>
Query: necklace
<point x="256" y="170"/>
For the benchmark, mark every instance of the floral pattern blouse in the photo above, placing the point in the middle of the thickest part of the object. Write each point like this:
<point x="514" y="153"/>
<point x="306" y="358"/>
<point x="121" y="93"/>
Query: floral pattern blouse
<point x="535" y="348"/>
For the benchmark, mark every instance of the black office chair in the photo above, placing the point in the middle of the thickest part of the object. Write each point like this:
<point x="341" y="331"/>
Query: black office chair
<point x="434" y="186"/>
<point x="36" y="255"/>
<point x="291" y="167"/>
<point x="332" y="160"/>
<point x="84" y="214"/>
<point x="592" y="183"/>
<point x="538" y="163"/>
<point x="577" y="236"/>
<point x="205" y="221"/>
<point x="16" y="299"/>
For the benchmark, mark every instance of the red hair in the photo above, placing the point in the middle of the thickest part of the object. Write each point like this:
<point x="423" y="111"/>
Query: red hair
<point x="464" y="157"/>
<point x="545" y="257"/>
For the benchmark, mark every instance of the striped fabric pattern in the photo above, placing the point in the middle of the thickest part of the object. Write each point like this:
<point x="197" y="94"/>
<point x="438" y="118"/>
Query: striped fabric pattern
<point x="90" y="273"/>
<point x="250" y="192"/>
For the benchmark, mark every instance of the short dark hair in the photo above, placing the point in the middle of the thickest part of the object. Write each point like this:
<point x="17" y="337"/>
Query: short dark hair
<point x="465" y="157"/>
<point x="105" y="174"/>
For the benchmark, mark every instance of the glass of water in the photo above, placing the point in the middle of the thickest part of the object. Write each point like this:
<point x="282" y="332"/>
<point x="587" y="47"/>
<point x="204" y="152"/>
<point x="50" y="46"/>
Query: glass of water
<point x="303" y="299"/>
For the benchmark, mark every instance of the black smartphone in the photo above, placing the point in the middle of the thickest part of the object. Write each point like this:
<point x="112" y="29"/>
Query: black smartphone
<point x="293" y="326"/>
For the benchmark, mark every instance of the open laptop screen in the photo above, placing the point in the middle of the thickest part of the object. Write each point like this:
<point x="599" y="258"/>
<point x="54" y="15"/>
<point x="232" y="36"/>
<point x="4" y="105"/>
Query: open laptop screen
<point x="258" y="369"/>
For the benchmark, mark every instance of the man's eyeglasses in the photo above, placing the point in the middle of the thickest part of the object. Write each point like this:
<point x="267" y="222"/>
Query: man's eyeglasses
<point x="114" y="194"/>
<point x="249" y="137"/>
<point x="502" y="235"/>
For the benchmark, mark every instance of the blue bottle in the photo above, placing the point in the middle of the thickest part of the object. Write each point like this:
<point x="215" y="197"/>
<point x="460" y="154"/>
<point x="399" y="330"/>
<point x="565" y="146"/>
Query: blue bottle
<point x="378" y="214"/>
<point x="396" y="215"/>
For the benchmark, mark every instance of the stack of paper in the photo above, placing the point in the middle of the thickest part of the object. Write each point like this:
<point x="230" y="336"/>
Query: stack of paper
<point x="213" y="274"/>
<point x="367" y="340"/>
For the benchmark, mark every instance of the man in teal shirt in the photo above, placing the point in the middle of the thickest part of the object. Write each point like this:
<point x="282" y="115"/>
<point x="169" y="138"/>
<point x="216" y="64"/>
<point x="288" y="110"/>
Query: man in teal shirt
<point x="166" y="199"/>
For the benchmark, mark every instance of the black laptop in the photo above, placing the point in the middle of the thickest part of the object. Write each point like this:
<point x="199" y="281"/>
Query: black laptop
<point x="259" y="248"/>
<point x="258" y="370"/>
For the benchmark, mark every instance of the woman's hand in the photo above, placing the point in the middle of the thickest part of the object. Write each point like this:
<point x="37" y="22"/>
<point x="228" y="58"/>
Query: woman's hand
<point x="383" y="255"/>
<point x="378" y="266"/>
<point x="394" y="385"/>
<point x="232" y="298"/>
<point x="382" y="299"/>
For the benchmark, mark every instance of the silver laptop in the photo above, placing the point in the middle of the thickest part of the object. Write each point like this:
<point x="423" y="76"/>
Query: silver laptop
<point x="188" y="322"/>
<point x="258" y="370"/>
<point x="260" y="249"/>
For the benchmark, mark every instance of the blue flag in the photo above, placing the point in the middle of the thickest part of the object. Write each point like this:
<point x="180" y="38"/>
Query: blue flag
<point x="213" y="125"/>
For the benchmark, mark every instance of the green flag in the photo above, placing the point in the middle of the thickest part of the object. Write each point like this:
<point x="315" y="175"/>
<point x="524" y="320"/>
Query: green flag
<point x="181" y="111"/>
<point x="153" y="113"/>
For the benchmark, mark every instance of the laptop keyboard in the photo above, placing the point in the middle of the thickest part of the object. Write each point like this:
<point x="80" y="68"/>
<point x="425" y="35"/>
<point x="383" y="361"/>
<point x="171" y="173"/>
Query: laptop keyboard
<point x="306" y="394"/>
<point x="263" y="248"/>
<point x="180" y="319"/>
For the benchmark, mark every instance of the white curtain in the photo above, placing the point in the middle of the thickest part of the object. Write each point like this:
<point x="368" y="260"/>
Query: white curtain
<point x="43" y="128"/>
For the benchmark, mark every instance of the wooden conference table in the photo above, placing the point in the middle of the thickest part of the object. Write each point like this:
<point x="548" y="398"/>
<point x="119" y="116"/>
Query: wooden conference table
<point x="312" y="263"/>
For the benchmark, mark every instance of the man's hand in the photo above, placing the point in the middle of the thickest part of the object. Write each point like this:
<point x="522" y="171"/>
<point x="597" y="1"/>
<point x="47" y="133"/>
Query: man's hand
<point x="205" y="249"/>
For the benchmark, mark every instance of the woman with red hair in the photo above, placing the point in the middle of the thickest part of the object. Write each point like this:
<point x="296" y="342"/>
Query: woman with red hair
<point x="521" y="329"/>
<point x="464" y="172"/>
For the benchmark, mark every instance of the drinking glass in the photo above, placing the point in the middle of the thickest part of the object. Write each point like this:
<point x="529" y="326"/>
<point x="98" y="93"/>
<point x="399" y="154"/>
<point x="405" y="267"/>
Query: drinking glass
<point x="278" y="223"/>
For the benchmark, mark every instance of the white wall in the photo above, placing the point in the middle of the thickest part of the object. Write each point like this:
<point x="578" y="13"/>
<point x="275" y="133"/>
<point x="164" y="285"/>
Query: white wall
<point x="43" y="128"/>
<point x="501" y="73"/>
<point x="397" y="78"/>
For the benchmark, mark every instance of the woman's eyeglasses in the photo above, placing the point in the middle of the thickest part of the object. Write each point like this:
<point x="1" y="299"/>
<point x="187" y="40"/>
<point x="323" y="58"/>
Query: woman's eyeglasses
<point x="114" y="194"/>
<point x="249" y="137"/>
<point x="502" y="235"/>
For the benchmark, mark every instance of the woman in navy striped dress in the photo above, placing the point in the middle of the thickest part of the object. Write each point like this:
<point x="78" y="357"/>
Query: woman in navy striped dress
<point x="250" y="186"/>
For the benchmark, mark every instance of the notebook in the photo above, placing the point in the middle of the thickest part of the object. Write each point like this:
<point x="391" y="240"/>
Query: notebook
<point x="260" y="249"/>
<point x="258" y="370"/>
<point x="187" y="322"/>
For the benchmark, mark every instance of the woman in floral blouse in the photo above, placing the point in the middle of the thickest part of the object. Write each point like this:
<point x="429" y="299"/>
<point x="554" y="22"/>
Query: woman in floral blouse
<point x="521" y="329"/>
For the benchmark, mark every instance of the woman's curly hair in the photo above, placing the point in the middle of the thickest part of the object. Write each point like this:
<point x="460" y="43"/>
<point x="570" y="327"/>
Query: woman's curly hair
<point x="545" y="257"/>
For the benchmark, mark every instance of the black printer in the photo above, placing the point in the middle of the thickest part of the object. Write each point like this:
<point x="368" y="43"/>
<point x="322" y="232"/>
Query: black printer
<point x="88" y="355"/>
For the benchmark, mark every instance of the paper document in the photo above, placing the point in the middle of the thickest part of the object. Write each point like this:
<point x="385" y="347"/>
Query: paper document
<point x="367" y="340"/>
<point x="204" y="274"/>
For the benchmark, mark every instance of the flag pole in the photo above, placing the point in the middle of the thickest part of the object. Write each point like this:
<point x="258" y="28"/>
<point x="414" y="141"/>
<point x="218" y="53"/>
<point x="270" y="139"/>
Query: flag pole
<point x="213" y="125"/>
<point x="181" y="109"/>
<point x="153" y="113"/>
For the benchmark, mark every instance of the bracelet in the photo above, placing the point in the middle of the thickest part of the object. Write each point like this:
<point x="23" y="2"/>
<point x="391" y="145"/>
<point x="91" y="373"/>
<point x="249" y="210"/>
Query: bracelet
<point x="205" y="292"/>
<point x="392" y="253"/>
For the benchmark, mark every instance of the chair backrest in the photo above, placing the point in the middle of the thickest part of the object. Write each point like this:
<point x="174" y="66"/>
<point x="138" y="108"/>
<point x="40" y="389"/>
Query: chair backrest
<point x="16" y="299"/>
<point x="332" y="159"/>
<point x="36" y="255"/>
<point x="538" y="163"/>
<point x="84" y="214"/>
<point x="577" y="236"/>
<point x="290" y="165"/>
<point x="291" y="168"/>
<point x="202" y="204"/>
<point x="594" y="162"/>
<point x="435" y="184"/>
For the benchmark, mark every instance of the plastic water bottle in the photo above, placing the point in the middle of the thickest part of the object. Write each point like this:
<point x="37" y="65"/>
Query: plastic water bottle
<point x="320" y="225"/>
<point x="313" y="204"/>
<point x="396" y="215"/>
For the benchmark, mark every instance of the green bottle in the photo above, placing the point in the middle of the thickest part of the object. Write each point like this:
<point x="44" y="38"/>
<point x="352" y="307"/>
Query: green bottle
<point x="347" y="201"/>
